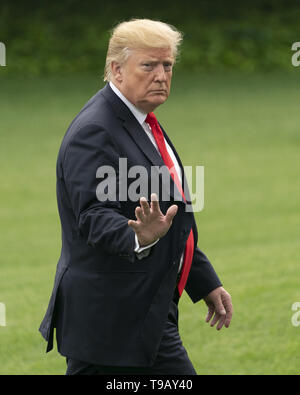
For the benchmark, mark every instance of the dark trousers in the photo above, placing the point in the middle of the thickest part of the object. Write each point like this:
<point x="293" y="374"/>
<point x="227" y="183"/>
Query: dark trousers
<point x="172" y="358"/>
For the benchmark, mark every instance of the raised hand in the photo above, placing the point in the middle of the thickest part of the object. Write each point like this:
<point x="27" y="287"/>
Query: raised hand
<point x="151" y="224"/>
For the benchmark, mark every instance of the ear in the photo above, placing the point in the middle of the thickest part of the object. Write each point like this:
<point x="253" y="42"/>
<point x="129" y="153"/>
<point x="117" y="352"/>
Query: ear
<point x="116" y="70"/>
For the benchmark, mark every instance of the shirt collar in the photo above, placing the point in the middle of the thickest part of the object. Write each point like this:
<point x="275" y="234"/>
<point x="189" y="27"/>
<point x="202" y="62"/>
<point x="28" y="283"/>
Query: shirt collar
<point x="139" y="115"/>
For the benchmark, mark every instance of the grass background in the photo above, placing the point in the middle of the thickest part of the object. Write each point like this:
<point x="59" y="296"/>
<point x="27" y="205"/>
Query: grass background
<point x="245" y="130"/>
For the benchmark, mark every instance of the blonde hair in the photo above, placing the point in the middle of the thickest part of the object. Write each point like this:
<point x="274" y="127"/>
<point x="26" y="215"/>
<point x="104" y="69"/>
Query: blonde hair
<point x="139" y="34"/>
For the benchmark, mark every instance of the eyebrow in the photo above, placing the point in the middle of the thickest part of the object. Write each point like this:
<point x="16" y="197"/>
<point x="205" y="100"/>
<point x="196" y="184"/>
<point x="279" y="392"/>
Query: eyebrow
<point x="154" y="60"/>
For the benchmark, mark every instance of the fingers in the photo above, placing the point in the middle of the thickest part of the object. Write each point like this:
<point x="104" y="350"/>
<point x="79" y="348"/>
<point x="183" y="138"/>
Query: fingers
<point x="145" y="206"/>
<point x="133" y="225"/>
<point x="220" y="318"/>
<point x="210" y="313"/>
<point x="144" y="210"/>
<point x="172" y="211"/>
<point x="154" y="203"/>
<point x="148" y="214"/>
<point x="220" y="311"/>
<point x="139" y="214"/>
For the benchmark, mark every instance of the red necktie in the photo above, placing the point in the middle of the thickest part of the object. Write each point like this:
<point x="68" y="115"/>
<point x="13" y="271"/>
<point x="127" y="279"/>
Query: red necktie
<point x="189" y="247"/>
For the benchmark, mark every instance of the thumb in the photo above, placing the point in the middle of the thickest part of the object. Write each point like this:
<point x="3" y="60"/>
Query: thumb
<point x="172" y="211"/>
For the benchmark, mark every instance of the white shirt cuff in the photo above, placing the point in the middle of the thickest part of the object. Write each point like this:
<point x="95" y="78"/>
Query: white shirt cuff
<point x="142" y="252"/>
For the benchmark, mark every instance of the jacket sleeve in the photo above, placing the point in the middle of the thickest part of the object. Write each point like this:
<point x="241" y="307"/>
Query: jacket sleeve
<point x="202" y="277"/>
<point x="90" y="156"/>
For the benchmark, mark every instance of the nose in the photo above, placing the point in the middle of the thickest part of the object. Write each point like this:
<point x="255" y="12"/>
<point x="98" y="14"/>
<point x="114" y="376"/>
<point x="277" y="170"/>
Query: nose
<point x="160" y="74"/>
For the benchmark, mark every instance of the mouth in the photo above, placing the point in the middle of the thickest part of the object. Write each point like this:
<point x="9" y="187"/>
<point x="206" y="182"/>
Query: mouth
<point x="159" y="92"/>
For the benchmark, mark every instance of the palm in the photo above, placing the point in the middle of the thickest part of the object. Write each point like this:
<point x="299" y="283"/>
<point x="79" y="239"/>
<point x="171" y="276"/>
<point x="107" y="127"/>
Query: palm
<point x="151" y="223"/>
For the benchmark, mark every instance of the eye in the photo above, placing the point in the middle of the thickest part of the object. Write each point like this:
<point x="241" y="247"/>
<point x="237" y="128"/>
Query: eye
<point x="168" y="66"/>
<point x="147" y="66"/>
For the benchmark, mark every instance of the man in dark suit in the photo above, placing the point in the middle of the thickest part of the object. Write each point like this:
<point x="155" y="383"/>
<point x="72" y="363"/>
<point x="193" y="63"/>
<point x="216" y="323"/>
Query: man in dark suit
<point x="127" y="253"/>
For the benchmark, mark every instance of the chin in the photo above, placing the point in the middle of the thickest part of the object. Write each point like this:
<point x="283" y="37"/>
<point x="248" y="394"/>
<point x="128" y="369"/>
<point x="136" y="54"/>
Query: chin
<point x="151" y="105"/>
<point x="159" y="100"/>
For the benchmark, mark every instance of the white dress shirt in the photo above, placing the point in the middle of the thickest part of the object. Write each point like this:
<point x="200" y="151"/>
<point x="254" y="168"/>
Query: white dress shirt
<point x="141" y="117"/>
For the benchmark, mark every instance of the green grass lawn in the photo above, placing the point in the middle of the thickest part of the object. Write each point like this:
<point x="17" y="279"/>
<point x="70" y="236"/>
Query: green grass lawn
<point x="245" y="131"/>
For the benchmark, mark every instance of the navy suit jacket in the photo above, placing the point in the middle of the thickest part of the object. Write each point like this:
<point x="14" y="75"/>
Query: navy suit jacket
<point x="107" y="306"/>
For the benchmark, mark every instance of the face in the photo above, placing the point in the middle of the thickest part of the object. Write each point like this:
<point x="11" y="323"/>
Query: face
<point x="145" y="78"/>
